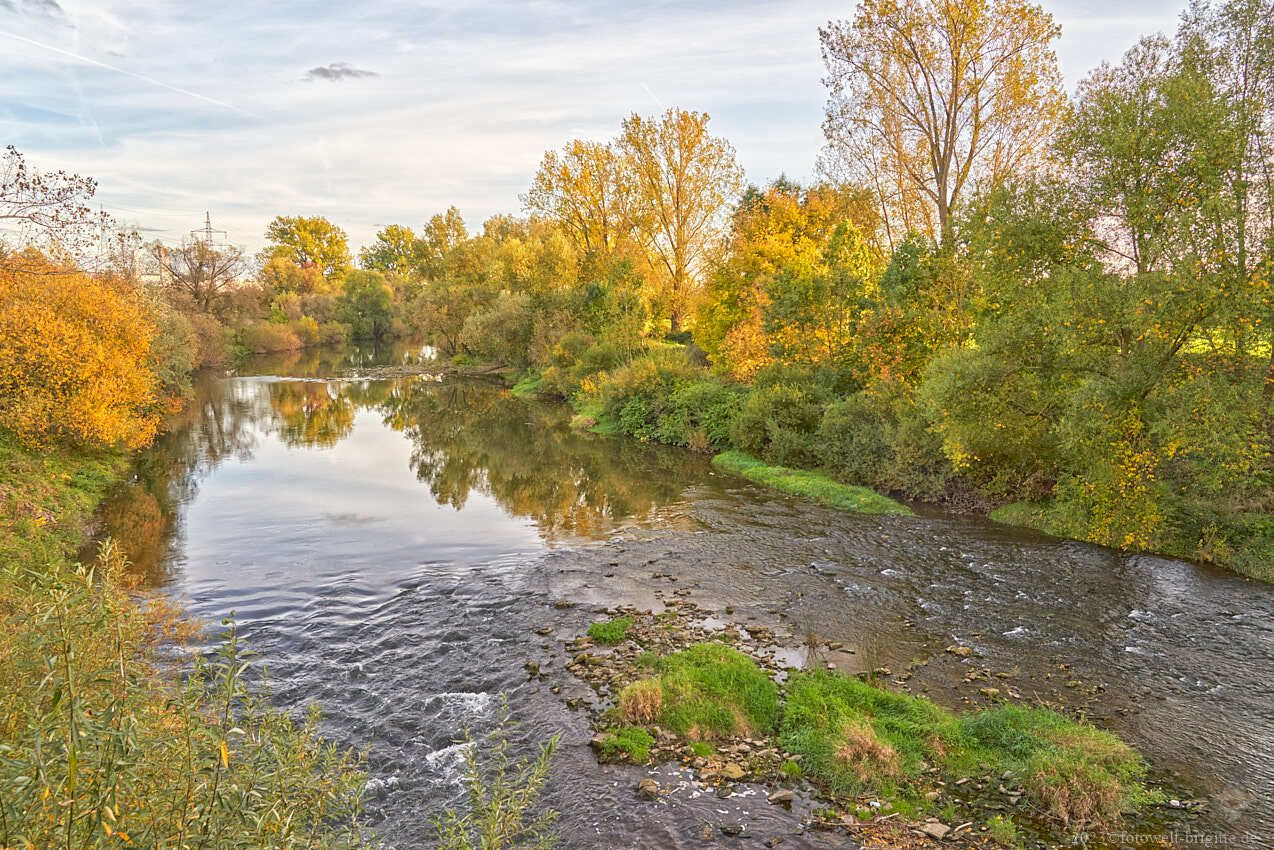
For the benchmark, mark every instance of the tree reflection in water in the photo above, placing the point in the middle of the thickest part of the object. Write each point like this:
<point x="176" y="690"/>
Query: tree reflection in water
<point x="466" y="436"/>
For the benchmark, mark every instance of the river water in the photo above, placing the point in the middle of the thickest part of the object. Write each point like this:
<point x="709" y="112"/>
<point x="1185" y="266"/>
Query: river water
<point x="391" y="549"/>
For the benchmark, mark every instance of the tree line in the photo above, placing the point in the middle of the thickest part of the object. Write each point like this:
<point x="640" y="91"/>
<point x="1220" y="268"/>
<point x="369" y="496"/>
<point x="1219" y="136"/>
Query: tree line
<point x="1054" y="307"/>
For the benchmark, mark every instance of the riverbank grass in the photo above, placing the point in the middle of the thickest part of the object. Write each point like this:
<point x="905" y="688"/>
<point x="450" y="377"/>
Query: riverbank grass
<point x="811" y="485"/>
<point x="610" y="632"/>
<point x="857" y="738"/>
<point x="705" y="692"/>
<point x="46" y="499"/>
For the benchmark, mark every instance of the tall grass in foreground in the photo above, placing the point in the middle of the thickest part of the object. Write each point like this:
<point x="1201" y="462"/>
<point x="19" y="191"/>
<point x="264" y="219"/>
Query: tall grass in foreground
<point x="502" y="807"/>
<point x="100" y="748"/>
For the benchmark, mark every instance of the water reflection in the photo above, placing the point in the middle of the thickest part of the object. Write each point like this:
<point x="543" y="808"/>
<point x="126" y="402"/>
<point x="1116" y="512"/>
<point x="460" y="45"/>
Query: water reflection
<point x="462" y="438"/>
<point x="469" y="436"/>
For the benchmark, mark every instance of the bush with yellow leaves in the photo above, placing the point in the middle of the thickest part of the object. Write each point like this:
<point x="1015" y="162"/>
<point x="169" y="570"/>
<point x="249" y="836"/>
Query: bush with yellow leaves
<point x="74" y="357"/>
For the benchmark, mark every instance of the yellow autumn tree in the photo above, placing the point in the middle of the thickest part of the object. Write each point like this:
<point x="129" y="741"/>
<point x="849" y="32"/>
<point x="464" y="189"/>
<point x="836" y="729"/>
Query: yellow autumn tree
<point x="929" y="97"/>
<point x="74" y="355"/>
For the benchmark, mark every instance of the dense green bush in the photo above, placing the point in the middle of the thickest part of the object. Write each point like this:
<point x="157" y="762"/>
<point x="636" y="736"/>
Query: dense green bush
<point x="701" y="415"/>
<point x="852" y="443"/>
<point x="779" y="424"/>
<point x="638" y="395"/>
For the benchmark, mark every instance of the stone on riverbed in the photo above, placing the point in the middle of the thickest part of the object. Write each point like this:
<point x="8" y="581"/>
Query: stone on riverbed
<point x="648" y="789"/>
<point x="935" y="830"/>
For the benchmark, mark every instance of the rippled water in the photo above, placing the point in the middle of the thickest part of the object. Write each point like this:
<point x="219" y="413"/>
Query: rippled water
<point x="390" y="549"/>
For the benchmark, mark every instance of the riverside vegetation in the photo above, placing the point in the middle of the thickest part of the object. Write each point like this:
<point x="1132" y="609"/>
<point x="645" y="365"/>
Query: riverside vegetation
<point x="1056" y="309"/>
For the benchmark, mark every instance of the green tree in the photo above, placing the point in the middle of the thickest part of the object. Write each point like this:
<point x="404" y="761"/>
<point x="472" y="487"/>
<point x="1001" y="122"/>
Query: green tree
<point x="366" y="305"/>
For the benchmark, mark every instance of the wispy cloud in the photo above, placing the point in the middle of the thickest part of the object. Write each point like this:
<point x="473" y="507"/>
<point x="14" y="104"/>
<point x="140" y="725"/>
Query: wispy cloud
<point x="47" y="8"/>
<point x="463" y="117"/>
<point x="115" y="69"/>
<point x="337" y="71"/>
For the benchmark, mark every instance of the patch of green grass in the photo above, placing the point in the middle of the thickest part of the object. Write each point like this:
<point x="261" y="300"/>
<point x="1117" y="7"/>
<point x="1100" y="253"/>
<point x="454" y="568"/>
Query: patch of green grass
<point x="528" y="386"/>
<point x="702" y="748"/>
<point x="811" y="485"/>
<point x="47" y="498"/>
<point x="711" y="691"/>
<point x="1077" y="773"/>
<point x="1002" y="830"/>
<point x="611" y="631"/>
<point x="791" y="769"/>
<point x="631" y="742"/>
<point x="858" y="738"/>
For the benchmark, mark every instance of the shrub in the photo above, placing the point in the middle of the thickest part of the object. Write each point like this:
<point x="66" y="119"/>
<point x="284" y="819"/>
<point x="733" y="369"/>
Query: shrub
<point x="172" y="353"/>
<point x="882" y="438"/>
<point x="701" y="414"/>
<point x="266" y="337"/>
<point x="503" y="795"/>
<point x="851" y="441"/>
<point x="778" y="423"/>
<point x="75" y="358"/>
<point x="211" y="349"/>
<point x="500" y="333"/>
<point x="637" y="396"/>
<point x="610" y="631"/>
<point x="123" y="759"/>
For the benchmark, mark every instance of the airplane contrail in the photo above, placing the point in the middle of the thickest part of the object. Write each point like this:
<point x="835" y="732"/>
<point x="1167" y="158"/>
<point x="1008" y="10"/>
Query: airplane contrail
<point x="124" y="71"/>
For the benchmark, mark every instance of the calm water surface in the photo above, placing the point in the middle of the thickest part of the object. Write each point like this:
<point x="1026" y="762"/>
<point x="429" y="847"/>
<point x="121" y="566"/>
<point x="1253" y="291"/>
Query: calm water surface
<point x="391" y="547"/>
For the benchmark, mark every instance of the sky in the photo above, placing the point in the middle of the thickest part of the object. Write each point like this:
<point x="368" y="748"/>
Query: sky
<point x="387" y="111"/>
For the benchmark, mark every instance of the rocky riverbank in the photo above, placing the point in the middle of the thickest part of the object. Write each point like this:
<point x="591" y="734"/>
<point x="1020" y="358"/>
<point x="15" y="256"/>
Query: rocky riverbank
<point x="983" y="806"/>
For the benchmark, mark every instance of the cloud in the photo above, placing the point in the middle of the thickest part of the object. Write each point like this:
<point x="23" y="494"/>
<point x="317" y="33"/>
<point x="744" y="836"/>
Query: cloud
<point x="46" y="8"/>
<point x="463" y="118"/>
<point x="337" y="71"/>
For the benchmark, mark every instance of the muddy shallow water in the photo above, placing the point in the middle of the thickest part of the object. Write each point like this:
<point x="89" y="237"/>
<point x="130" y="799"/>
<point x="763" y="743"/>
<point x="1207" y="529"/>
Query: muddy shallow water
<point x="390" y="549"/>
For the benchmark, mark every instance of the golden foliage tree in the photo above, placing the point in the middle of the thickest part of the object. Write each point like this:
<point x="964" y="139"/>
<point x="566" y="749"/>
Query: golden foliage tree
<point x="681" y="181"/>
<point x="580" y="188"/>
<point x="928" y="96"/>
<point x="74" y="353"/>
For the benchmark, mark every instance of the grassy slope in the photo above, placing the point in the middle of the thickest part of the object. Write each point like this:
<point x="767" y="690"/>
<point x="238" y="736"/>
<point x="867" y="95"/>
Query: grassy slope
<point x="47" y="498"/>
<point x="811" y="485"/>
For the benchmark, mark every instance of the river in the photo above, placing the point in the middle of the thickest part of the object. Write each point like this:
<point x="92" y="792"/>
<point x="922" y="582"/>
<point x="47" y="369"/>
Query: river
<point x="391" y="549"/>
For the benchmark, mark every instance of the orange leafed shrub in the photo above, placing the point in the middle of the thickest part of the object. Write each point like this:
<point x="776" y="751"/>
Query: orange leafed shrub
<point x="73" y="358"/>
